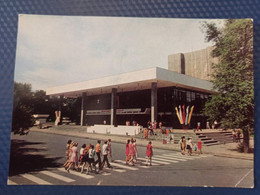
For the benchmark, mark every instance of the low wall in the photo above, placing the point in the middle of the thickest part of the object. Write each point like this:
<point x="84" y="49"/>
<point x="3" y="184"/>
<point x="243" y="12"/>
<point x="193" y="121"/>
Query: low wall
<point x="110" y="129"/>
<point x="40" y="118"/>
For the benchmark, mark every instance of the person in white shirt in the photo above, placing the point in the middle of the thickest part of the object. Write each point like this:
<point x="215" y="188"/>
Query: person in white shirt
<point x="189" y="146"/>
<point x="105" y="150"/>
<point x="91" y="161"/>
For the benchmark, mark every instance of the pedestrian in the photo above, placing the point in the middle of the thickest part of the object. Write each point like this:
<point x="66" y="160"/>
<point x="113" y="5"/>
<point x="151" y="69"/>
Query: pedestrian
<point x="84" y="159"/>
<point x="149" y="153"/>
<point x="182" y="143"/>
<point x="131" y="153"/>
<point x="208" y="125"/>
<point x="238" y="136"/>
<point x="81" y="152"/>
<point x="215" y="126"/>
<point x="155" y="125"/>
<point x="160" y="125"/>
<point x="135" y="150"/>
<point x="91" y="161"/>
<point x="146" y="133"/>
<point x="105" y="153"/>
<point x="195" y="148"/>
<point x="98" y="152"/>
<point x="73" y="157"/>
<point x="234" y="135"/>
<point x="127" y="151"/>
<point x="199" y="146"/>
<point x="198" y="126"/>
<point x="69" y="152"/>
<point x="67" y="149"/>
<point x="109" y="150"/>
<point x="189" y="146"/>
<point x="150" y="127"/>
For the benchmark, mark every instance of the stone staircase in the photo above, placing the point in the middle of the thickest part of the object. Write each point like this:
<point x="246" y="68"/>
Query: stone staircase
<point x="215" y="138"/>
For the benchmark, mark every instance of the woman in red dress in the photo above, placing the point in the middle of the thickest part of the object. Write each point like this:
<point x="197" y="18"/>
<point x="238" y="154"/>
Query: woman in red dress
<point x="127" y="151"/>
<point x="131" y="153"/>
<point x="149" y="153"/>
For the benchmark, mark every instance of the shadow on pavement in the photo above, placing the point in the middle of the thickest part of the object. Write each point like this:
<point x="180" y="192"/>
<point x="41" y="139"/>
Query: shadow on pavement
<point x="26" y="157"/>
<point x="240" y="149"/>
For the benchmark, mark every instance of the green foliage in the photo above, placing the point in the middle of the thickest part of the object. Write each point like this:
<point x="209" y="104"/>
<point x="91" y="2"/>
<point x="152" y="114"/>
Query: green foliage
<point x="233" y="75"/>
<point x="40" y="102"/>
<point x="27" y="103"/>
<point x="22" y="108"/>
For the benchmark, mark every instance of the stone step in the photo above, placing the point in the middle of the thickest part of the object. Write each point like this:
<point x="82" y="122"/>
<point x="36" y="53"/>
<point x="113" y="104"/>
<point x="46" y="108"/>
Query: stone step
<point x="205" y="139"/>
<point x="210" y="141"/>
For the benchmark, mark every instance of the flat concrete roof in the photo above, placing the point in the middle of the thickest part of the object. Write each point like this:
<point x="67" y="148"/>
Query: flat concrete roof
<point x="132" y="81"/>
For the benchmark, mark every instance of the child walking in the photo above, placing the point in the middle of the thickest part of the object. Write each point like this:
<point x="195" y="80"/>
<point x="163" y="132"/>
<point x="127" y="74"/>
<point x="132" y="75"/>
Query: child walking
<point x="149" y="153"/>
<point x="199" y="146"/>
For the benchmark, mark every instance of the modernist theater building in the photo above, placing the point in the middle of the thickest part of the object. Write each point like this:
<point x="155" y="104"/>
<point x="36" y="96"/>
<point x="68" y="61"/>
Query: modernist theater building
<point x="143" y="95"/>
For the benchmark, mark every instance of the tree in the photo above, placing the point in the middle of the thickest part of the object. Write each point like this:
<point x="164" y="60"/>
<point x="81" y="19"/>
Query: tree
<point x="40" y="102"/>
<point x="22" y="108"/>
<point x="233" y="105"/>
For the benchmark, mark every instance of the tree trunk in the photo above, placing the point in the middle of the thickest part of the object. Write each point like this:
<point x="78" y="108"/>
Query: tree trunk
<point x="246" y="141"/>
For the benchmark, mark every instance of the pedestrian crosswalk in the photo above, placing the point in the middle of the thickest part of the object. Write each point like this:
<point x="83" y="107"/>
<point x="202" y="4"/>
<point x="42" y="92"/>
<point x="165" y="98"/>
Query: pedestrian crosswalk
<point x="35" y="179"/>
<point x="57" y="176"/>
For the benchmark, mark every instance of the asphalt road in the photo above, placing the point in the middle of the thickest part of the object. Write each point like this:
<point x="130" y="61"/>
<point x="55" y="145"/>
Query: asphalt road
<point x="37" y="159"/>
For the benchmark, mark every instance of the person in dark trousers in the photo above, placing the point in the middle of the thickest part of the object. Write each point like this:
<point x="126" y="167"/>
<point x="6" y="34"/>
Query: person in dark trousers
<point x="198" y="126"/>
<point x="150" y="127"/>
<point x="105" y="150"/>
<point x="98" y="152"/>
<point x="91" y="155"/>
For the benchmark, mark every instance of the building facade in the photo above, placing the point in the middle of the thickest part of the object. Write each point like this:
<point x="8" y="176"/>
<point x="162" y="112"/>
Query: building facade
<point x="136" y="106"/>
<point x="141" y="96"/>
<point x="197" y="64"/>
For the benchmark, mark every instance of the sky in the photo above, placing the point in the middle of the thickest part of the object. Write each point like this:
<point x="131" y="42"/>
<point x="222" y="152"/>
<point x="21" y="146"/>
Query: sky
<point x="58" y="50"/>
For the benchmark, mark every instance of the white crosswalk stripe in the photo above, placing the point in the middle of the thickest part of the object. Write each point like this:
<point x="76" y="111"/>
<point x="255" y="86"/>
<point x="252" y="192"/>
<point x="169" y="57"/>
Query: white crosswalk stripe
<point x="56" y="176"/>
<point x="83" y="175"/>
<point x="184" y="156"/>
<point x="143" y="160"/>
<point x="10" y="182"/>
<point x="137" y="165"/>
<point x="165" y="160"/>
<point x="181" y="156"/>
<point x="36" y="179"/>
<point x="156" y="161"/>
<point x="172" y="158"/>
<point x="105" y="173"/>
<point x="124" y="166"/>
<point x="119" y="170"/>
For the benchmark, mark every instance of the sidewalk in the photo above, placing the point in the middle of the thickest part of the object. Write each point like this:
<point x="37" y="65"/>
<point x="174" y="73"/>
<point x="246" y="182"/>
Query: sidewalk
<point x="224" y="150"/>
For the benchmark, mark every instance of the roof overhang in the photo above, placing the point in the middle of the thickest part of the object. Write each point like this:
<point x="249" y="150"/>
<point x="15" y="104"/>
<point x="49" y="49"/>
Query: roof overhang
<point x="132" y="81"/>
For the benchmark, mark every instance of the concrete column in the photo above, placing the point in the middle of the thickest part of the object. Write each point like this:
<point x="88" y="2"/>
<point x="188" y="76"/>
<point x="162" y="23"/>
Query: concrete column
<point x="61" y="108"/>
<point x="83" y="109"/>
<point x="154" y="102"/>
<point x="113" y="120"/>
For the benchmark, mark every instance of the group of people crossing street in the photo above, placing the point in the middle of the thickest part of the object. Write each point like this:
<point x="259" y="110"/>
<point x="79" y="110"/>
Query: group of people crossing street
<point x="90" y="156"/>
<point x="87" y="156"/>
<point x="189" y="146"/>
<point x="131" y="152"/>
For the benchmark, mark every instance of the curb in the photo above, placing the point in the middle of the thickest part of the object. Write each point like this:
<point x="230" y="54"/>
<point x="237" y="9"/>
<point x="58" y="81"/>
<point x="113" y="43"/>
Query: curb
<point x="139" y="143"/>
<point x="234" y="156"/>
